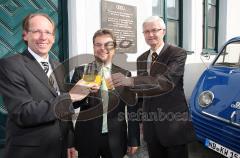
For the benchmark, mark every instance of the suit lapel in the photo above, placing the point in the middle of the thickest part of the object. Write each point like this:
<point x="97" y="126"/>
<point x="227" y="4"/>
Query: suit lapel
<point x="32" y="64"/>
<point x="142" y="64"/>
<point x="114" y="94"/>
<point x="114" y="70"/>
<point x="58" y="73"/>
<point x="163" y="52"/>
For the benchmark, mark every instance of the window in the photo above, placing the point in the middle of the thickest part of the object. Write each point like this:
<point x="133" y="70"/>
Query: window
<point x="169" y="10"/>
<point x="230" y="56"/>
<point x="210" y="26"/>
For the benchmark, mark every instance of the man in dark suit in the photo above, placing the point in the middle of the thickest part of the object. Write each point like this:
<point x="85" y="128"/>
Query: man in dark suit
<point x="166" y="126"/>
<point x="32" y="88"/>
<point x="101" y="128"/>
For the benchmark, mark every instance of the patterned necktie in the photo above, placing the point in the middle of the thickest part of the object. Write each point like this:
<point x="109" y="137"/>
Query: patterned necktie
<point x="154" y="57"/>
<point x="105" y="98"/>
<point x="51" y="78"/>
<point x="45" y="66"/>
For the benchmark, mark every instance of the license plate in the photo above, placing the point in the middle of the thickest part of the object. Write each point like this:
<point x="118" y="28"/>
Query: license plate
<point x="221" y="149"/>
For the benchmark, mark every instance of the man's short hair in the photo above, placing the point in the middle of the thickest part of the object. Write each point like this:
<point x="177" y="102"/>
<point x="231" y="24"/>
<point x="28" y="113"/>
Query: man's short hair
<point x="25" y="24"/>
<point x="155" y="19"/>
<point x="102" y="32"/>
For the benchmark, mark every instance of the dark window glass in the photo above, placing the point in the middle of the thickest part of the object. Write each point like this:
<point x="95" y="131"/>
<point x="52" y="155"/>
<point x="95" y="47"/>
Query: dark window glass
<point x="210" y="25"/>
<point x="173" y="32"/>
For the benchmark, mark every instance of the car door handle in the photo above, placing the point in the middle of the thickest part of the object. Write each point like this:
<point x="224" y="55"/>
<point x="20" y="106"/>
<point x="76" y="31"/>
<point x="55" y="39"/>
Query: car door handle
<point x="234" y="71"/>
<point x="232" y="116"/>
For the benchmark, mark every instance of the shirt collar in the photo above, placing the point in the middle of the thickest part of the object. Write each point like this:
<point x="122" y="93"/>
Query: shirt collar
<point x="158" y="50"/>
<point x="109" y="65"/>
<point x="37" y="57"/>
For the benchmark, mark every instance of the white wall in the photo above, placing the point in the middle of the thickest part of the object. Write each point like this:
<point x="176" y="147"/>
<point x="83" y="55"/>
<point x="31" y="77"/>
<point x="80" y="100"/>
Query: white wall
<point x="233" y="21"/>
<point x="187" y="25"/>
<point x="85" y="16"/>
<point x="192" y="35"/>
<point x="84" y="20"/>
<point x="77" y="27"/>
<point x="222" y="32"/>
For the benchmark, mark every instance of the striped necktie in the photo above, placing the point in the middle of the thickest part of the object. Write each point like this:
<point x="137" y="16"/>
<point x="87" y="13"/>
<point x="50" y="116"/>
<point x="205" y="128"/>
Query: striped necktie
<point x="154" y="57"/>
<point x="45" y="66"/>
<point x="51" y="79"/>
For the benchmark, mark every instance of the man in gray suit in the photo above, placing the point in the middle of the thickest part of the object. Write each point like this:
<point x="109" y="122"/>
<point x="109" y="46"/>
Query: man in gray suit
<point x="166" y="126"/>
<point x="36" y="100"/>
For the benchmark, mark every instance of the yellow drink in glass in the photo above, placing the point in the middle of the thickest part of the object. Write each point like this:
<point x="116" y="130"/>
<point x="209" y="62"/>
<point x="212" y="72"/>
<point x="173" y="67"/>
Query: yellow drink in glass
<point x="93" y="79"/>
<point x="98" y="79"/>
<point x="109" y="86"/>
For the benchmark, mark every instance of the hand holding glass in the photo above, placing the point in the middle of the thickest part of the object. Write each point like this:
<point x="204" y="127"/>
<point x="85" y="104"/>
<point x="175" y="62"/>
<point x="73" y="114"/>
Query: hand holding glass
<point x="108" y="80"/>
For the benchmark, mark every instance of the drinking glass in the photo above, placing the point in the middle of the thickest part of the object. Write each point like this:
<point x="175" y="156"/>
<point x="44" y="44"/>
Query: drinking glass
<point x="91" y="75"/>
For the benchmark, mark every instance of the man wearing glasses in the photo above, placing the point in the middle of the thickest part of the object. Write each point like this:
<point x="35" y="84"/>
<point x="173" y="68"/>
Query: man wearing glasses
<point x="101" y="129"/>
<point x="39" y="107"/>
<point x="160" y="83"/>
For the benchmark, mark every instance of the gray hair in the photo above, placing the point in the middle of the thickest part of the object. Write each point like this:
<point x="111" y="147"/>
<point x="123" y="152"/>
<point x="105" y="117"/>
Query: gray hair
<point x="155" y="19"/>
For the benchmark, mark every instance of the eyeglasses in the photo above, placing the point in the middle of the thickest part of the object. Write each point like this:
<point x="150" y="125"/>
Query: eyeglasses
<point x="108" y="45"/>
<point x="39" y="32"/>
<point x="154" y="31"/>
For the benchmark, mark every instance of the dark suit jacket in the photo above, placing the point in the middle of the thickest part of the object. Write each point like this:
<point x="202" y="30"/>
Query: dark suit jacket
<point x="170" y="125"/>
<point x="33" y="126"/>
<point x="89" y="124"/>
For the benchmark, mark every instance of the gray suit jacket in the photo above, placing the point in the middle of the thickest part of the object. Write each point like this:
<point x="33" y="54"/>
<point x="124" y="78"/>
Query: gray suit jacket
<point x="34" y="126"/>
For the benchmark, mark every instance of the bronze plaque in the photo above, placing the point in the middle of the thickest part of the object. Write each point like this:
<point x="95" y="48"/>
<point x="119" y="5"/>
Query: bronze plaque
<point x="122" y="20"/>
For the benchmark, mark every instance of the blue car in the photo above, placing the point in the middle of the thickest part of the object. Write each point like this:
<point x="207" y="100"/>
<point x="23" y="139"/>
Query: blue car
<point x="215" y="102"/>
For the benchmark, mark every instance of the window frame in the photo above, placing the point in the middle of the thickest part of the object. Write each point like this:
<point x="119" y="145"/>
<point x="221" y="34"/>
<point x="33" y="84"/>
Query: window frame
<point x="206" y="26"/>
<point x="179" y="20"/>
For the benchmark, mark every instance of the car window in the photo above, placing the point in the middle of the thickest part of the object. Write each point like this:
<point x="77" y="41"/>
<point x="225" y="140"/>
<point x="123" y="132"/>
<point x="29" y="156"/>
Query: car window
<point x="230" y="56"/>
